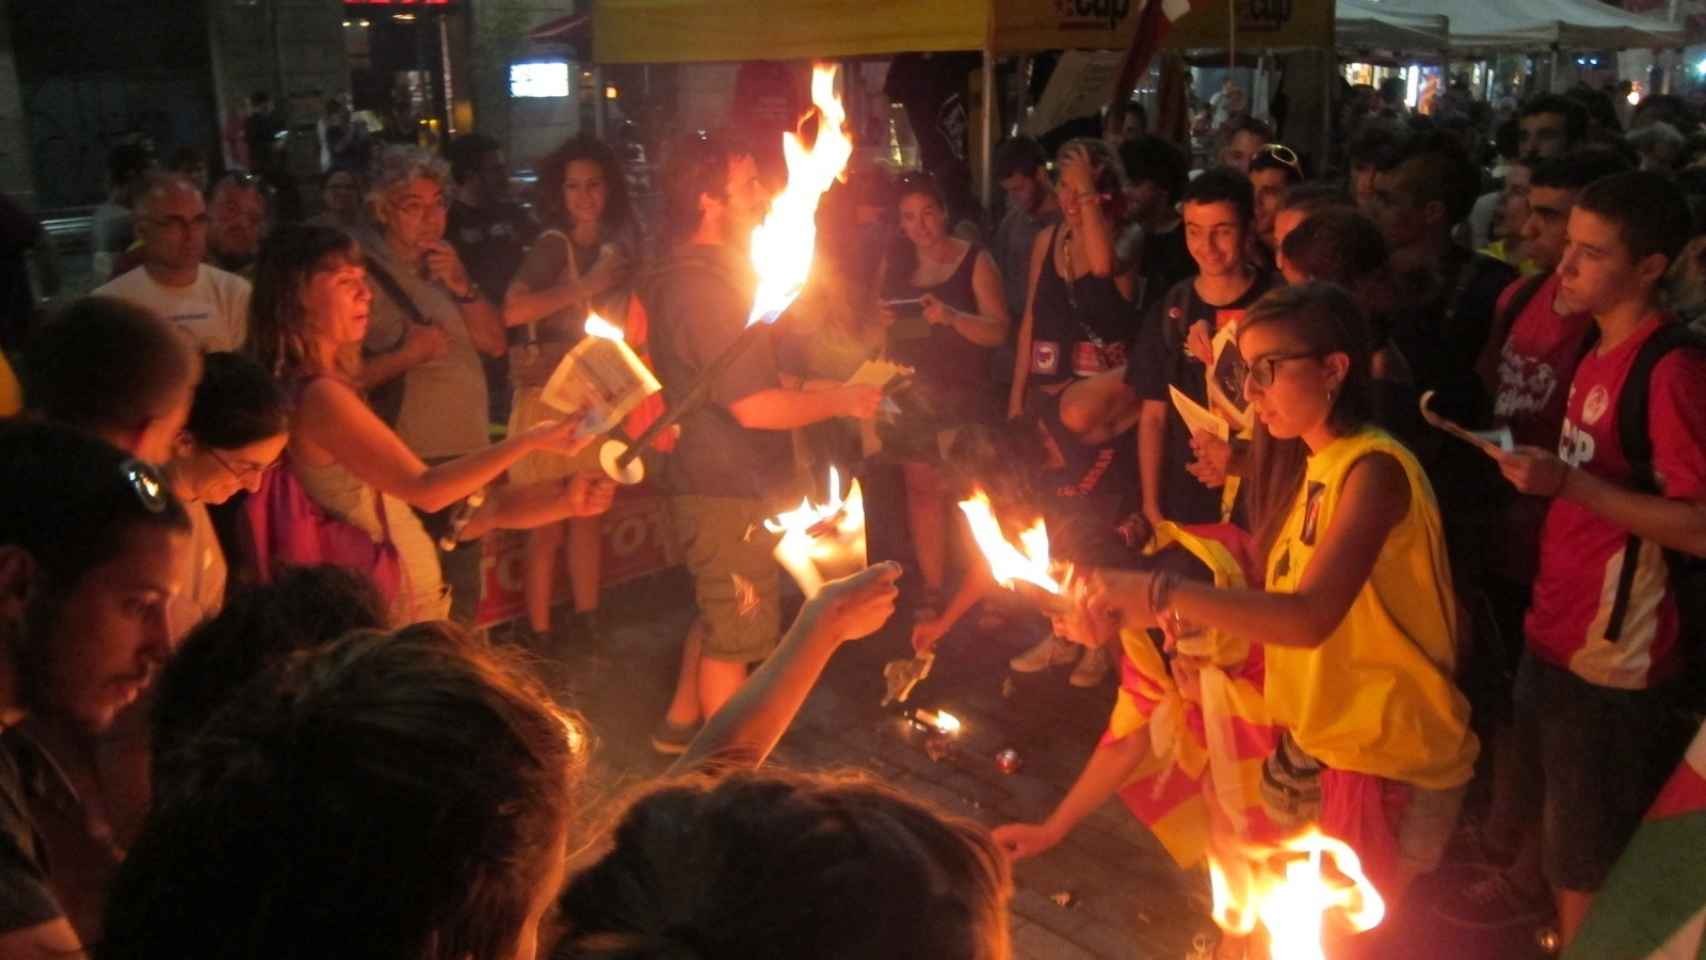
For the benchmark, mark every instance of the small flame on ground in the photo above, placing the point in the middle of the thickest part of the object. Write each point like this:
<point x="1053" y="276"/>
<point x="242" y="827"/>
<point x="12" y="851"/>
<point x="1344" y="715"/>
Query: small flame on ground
<point x="940" y="721"/>
<point x="1027" y="562"/>
<point x="782" y="245"/>
<point x="597" y="326"/>
<point x="1284" y="889"/>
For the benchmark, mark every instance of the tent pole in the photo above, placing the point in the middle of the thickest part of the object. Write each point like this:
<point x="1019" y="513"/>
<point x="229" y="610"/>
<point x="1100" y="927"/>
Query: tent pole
<point x="986" y="163"/>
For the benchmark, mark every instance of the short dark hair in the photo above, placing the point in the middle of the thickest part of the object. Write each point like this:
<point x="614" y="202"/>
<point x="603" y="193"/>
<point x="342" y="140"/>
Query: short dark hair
<point x="1148" y="158"/>
<point x="1576" y="169"/>
<point x="185" y="158"/>
<point x="260" y="626"/>
<point x="1018" y="155"/>
<point x="1243" y="123"/>
<point x="1670" y="108"/>
<point x="697" y="165"/>
<point x="464" y="154"/>
<point x="1436" y="167"/>
<point x="1649" y="209"/>
<point x="1374" y="147"/>
<point x="831" y="865"/>
<point x="102" y="362"/>
<point x="236" y="403"/>
<point x="1507" y="139"/>
<point x="71" y="497"/>
<point x="1575" y="115"/>
<point x="1223" y="185"/>
<point x="1339" y="245"/>
<point x="1313" y="197"/>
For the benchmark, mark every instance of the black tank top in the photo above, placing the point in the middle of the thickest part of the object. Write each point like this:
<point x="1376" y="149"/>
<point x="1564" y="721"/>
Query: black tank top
<point x="944" y="358"/>
<point x="1089" y="489"/>
<point x="1076" y="330"/>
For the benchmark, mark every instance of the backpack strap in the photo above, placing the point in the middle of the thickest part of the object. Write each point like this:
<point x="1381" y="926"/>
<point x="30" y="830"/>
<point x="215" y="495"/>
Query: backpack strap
<point x="1634" y="436"/>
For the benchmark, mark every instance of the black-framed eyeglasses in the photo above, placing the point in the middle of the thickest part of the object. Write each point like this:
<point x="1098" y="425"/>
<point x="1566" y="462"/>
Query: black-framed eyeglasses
<point x="245" y="474"/>
<point x="1262" y="369"/>
<point x="145" y="481"/>
<point x="1271" y="155"/>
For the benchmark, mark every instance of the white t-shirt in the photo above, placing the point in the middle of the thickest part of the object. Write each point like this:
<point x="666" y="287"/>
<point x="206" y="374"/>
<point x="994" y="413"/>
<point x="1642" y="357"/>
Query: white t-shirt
<point x="214" y="309"/>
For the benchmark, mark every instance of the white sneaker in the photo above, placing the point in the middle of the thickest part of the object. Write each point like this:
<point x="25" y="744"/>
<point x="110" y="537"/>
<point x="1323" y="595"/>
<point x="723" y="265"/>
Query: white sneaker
<point x="1091" y="668"/>
<point x="1051" y="651"/>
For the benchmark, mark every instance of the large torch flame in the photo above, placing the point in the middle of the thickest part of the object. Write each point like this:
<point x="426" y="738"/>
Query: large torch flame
<point x="1284" y="889"/>
<point x="782" y="245"/>
<point x="1026" y="562"/>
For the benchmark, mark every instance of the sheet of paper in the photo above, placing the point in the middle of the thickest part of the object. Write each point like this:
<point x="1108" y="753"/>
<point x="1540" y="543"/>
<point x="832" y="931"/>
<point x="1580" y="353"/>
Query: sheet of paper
<point x="603" y="378"/>
<point x="877" y="373"/>
<point x="1198" y="417"/>
<point x="1491" y="442"/>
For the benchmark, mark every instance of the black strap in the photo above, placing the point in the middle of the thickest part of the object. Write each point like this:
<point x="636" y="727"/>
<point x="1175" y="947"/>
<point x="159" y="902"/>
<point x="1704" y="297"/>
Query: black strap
<point x="394" y="290"/>
<point x="1634" y="437"/>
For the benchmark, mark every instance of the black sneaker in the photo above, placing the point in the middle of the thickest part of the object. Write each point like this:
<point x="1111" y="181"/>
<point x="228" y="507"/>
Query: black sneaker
<point x="1491" y="900"/>
<point x="671" y="739"/>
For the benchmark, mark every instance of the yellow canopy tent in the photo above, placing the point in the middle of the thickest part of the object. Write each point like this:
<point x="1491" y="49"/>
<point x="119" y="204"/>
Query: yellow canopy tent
<point x="683" y="31"/>
<point x="687" y="31"/>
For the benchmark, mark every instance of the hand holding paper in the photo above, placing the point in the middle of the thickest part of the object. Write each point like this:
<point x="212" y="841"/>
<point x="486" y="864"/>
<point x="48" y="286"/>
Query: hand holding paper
<point x="1491" y="442"/>
<point x="1198" y="417"/>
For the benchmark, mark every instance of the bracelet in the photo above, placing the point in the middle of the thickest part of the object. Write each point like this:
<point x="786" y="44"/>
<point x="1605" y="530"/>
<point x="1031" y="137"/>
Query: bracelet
<point x="1161" y="587"/>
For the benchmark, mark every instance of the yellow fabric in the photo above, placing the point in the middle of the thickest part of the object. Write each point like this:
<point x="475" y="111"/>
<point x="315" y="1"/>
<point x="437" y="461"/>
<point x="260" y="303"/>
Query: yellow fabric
<point x="1150" y="704"/>
<point x="11" y="393"/>
<point x="1498" y="250"/>
<point x="678" y="31"/>
<point x="1376" y="696"/>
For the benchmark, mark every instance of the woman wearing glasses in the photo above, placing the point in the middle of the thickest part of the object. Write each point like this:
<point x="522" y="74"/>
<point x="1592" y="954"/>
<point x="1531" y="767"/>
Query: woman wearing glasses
<point x="1358" y="619"/>
<point x="237" y="429"/>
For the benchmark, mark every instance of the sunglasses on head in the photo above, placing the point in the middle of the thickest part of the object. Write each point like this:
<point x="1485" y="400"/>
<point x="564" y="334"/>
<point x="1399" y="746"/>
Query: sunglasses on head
<point x="1271" y="155"/>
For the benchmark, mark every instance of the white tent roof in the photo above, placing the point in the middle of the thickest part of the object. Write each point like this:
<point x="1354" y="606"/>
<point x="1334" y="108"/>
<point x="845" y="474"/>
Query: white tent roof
<point x="1372" y="25"/>
<point x="1540" y="24"/>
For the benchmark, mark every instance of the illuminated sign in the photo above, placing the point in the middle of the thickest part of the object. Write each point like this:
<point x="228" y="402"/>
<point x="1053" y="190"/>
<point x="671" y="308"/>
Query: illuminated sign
<point x="539" y="79"/>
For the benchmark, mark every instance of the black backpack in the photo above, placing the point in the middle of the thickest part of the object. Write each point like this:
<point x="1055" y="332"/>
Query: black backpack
<point x="1687" y="572"/>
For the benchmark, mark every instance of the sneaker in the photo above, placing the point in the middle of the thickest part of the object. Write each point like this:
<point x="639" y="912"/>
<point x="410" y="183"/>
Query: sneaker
<point x="1490" y="901"/>
<point x="672" y="739"/>
<point x="1091" y="669"/>
<point x="1051" y="651"/>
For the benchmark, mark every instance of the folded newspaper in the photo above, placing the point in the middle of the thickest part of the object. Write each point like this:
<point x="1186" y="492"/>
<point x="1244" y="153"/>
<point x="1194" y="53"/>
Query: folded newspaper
<point x="1492" y="442"/>
<point x="602" y="377"/>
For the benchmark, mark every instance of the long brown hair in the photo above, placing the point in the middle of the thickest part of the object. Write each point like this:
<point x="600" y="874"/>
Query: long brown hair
<point x="1327" y="320"/>
<point x="278" y="326"/>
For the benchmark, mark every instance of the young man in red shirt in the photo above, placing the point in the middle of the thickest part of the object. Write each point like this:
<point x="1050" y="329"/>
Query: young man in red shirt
<point x="1594" y="709"/>
<point x="1526" y="367"/>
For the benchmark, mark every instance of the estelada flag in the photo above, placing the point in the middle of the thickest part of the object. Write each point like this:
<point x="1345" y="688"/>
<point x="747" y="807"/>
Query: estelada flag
<point x="1653" y="906"/>
<point x="1173" y="790"/>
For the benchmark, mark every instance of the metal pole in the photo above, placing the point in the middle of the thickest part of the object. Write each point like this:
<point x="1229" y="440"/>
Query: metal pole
<point x="986" y="162"/>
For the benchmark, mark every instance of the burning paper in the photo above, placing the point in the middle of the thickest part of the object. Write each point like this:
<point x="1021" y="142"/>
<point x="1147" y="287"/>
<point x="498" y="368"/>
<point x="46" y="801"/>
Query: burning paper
<point x="900" y="676"/>
<point x="601" y="376"/>
<point x="822" y="542"/>
<point x="1011" y="565"/>
<point x="782" y="245"/>
<point x="1286" y="890"/>
<point x="1491" y="442"/>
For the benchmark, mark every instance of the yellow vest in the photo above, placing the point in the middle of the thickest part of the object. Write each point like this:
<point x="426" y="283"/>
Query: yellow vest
<point x="1377" y="695"/>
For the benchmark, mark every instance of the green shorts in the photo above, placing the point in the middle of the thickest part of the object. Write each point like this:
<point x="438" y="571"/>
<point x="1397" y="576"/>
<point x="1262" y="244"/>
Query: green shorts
<point x="736" y="581"/>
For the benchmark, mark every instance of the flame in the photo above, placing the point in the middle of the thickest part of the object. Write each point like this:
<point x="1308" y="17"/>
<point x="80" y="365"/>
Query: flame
<point x="825" y="540"/>
<point x="811" y="520"/>
<point x="1028" y="561"/>
<point x="597" y="326"/>
<point x="940" y="721"/>
<point x="1283" y="888"/>
<point x="782" y="245"/>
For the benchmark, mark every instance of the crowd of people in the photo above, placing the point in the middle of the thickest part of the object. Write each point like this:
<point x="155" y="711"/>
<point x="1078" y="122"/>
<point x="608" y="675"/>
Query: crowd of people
<point x="258" y="464"/>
